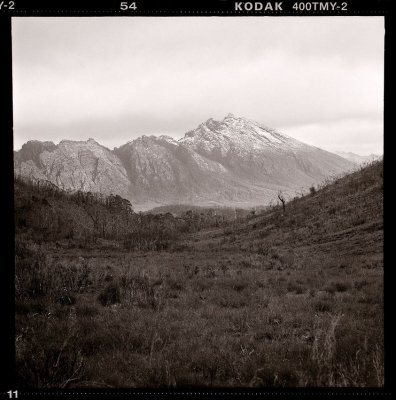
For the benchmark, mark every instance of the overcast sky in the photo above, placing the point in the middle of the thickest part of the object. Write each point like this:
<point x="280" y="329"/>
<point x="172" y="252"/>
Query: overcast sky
<point x="318" y="79"/>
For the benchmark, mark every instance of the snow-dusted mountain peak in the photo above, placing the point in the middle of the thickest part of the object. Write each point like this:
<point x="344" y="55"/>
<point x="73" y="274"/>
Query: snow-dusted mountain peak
<point x="237" y="134"/>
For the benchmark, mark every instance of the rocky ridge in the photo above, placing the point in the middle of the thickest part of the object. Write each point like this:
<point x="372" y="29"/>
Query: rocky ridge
<point x="233" y="162"/>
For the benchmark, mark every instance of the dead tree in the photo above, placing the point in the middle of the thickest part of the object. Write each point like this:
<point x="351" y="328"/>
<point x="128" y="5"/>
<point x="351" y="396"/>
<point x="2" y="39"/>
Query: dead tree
<point x="281" y="197"/>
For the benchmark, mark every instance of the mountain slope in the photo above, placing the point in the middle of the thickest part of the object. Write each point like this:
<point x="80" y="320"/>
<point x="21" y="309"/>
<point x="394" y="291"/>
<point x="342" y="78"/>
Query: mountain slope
<point x="160" y="169"/>
<point x="262" y="155"/>
<point x="356" y="158"/>
<point x="233" y="162"/>
<point x="73" y="165"/>
<point x="344" y="218"/>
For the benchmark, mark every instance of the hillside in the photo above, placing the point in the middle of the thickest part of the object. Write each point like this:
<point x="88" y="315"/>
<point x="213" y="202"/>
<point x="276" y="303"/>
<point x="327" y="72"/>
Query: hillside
<point x="234" y="162"/>
<point x="281" y="298"/>
<point x="343" y="216"/>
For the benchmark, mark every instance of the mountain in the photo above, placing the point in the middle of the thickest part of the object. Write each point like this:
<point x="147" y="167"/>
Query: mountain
<point x="357" y="158"/>
<point x="260" y="155"/>
<point x="232" y="162"/>
<point x="73" y="165"/>
<point x="165" y="171"/>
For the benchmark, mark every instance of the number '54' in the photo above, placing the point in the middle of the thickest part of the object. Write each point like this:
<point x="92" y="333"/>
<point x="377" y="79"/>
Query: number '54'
<point x="127" y="6"/>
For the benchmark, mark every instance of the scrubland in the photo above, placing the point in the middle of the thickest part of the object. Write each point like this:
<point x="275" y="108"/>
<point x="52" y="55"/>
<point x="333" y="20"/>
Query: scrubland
<point x="278" y="298"/>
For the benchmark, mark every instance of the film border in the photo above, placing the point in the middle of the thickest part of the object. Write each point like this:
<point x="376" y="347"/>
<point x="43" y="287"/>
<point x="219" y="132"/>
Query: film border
<point x="36" y="8"/>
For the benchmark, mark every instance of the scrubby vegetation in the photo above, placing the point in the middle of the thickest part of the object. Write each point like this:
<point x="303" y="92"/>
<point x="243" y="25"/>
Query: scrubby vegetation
<point x="106" y="297"/>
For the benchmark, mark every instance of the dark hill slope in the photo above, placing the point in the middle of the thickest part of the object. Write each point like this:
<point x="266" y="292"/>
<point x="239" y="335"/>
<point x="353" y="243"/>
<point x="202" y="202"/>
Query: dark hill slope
<point x="50" y="216"/>
<point x="344" y="218"/>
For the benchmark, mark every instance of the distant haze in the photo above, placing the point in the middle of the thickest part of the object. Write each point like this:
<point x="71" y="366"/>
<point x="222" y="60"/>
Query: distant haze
<point x="318" y="79"/>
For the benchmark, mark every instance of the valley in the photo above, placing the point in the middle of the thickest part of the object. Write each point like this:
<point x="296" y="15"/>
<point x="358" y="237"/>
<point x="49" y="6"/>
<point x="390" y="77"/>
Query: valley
<point x="107" y="298"/>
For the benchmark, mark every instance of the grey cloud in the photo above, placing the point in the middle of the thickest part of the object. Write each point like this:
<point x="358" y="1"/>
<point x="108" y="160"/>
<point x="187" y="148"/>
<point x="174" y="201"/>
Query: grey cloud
<point x="117" y="78"/>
